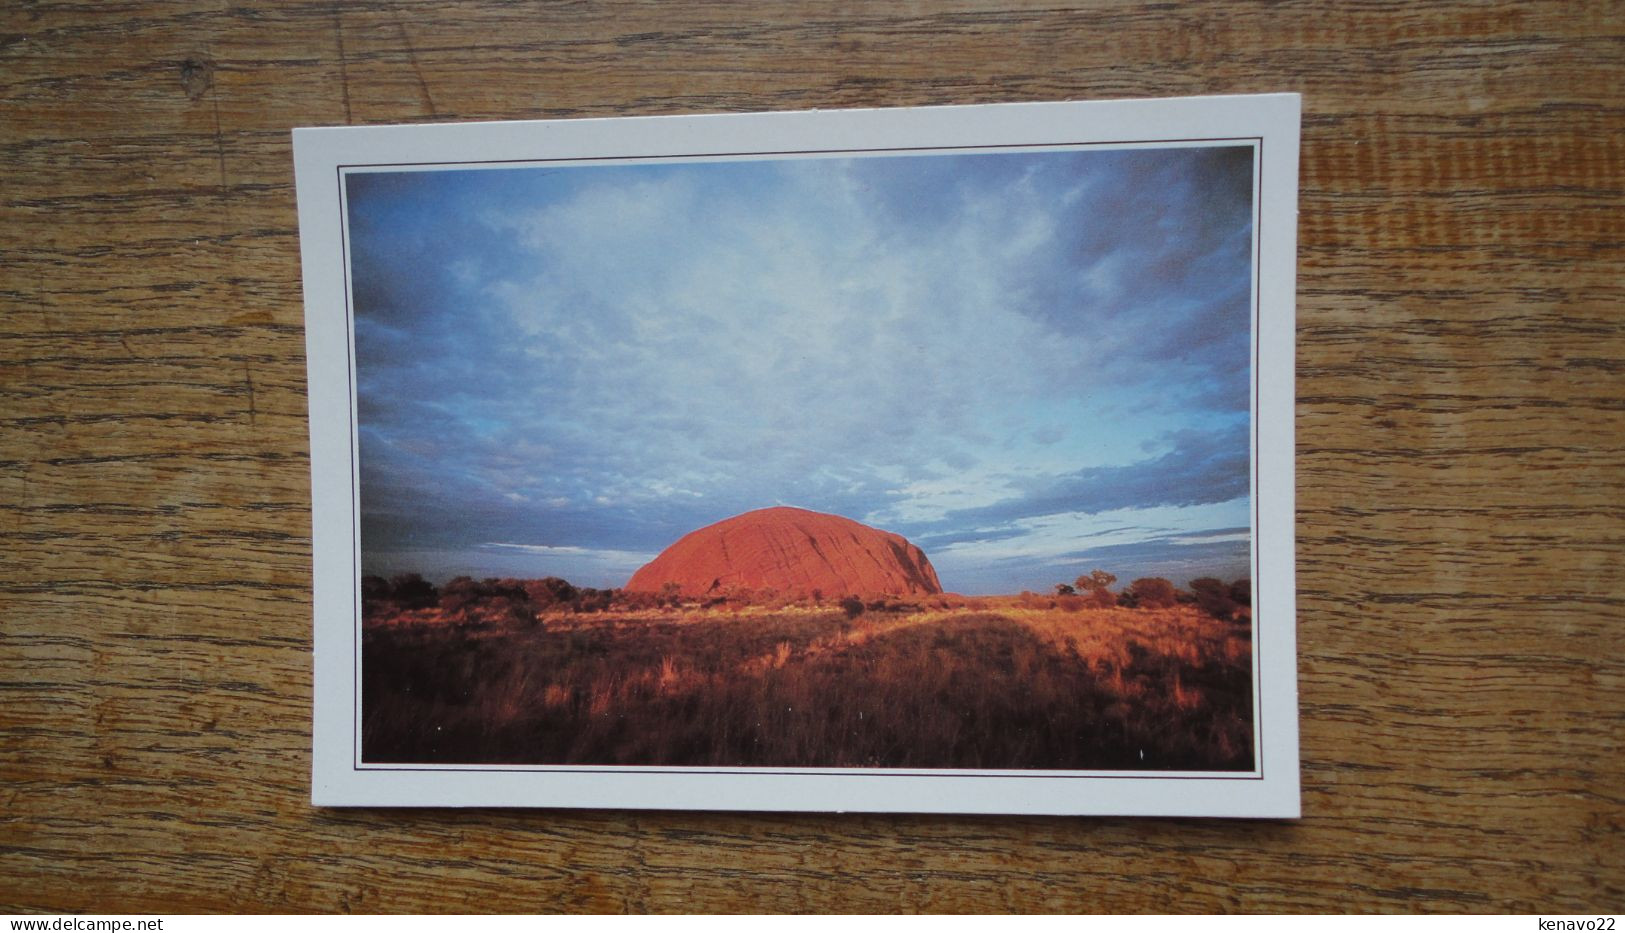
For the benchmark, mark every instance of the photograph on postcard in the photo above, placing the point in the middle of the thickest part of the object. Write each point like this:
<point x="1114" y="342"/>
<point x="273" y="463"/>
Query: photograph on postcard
<point x="901" y="459"/>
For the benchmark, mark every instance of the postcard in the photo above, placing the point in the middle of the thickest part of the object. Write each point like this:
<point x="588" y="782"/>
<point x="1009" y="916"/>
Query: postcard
<point x="914" y="460"/>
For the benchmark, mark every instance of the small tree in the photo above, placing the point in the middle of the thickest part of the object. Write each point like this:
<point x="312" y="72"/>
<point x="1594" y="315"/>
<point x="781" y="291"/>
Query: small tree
<point x="460" y="593"/>
<point x="1065" y="589"/>
<point x="411" y="591"/>
<point x="1242" y="591"/>
<point x="1096" y="580"/>
<point x="1152" y="593"/>
<point x="1214" y="597"/>
<point x="671" y="593"/>
<point x="589" y="599"/>
<point x="550" y="591"/>
<point x="1093" y="587"/>
<point x="852" y="606"/>
<point x="374" y="589"/>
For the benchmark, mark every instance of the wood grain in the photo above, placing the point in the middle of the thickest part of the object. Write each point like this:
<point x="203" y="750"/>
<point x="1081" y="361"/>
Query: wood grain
<point x="1461" y="431"/>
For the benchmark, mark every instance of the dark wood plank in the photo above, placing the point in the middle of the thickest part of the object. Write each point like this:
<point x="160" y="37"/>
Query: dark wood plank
<point x="1461" y="453"/>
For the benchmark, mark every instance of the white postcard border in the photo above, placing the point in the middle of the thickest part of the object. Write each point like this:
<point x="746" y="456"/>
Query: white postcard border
<point x="338" y="777"/>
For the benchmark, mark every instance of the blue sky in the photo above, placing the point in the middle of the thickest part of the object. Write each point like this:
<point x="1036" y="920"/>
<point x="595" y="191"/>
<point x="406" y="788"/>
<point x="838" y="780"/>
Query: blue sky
<point x="1031" y="364"/>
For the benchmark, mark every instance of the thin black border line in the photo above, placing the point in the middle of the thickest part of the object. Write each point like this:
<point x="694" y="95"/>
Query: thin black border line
<point x="356" y="766"/>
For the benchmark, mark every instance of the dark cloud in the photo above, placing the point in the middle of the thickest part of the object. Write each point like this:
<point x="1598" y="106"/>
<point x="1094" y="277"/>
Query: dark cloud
<point x="1200" y="468"/>
<point x="1215" y="533"/>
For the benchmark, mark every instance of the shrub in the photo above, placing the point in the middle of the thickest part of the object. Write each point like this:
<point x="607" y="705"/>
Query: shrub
<point x="549" y="592"/>
<point x="1096" y="580"/>
<point x="634" y="600"/>
<point x="460" y="593"/>
<point x="375" y="589"/>
<point x="411" y="591"/>
<point x="592" y="600"/>
<point x="1242" y="591"/>
<point x="852" y="606"/>
<point x="1214" y="599"/>
<point x="1152" y="593"/>
<point x="1030" y="600"/>
<point x="1093" y="588"/>
<point x="516" y="612"/>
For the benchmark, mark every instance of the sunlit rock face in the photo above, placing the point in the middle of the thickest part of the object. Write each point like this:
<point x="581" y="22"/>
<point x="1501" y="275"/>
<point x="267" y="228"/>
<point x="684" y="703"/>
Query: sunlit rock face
<point x="793" y="551"/>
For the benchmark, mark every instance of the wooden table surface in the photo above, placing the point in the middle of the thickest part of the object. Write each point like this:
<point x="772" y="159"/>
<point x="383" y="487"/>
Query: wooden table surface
<point x="1461" y="453"/>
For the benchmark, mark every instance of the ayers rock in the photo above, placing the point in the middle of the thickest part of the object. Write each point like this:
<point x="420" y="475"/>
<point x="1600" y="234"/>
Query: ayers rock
<point x="792" y="551"/>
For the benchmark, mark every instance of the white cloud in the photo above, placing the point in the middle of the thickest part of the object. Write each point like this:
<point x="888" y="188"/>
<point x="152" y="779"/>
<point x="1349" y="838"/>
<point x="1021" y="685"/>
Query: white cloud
<point x="714" y="338"/>
<point x="1048" y="538"/>
<point x="549" y="550"/>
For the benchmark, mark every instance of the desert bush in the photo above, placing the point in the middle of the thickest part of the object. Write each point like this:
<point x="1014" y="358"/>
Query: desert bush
<point x="507" y="586"/>
<point x="1213" y="597"/>
<point x="735" y="596"/>
<point x="745" y="597"/>
<point x="515" y="612"/>
<point x="459" y="593"/>
<point x="488" y="601"/>
<point x="502" y="610"/>
<point x="1093" y="588"/>
<point x="550" y="592"/>
<point x="1064" y="589"/>
<point x="1030" y="600"/>
<point x="671" y="594"/>
<point x="891" y="604"/>
<point x="411" y="591"/>
<point x="1242" y="591"/>
<point x="770" y="598"/>
<point x="589" y="599"/>
<point x="375" y="588"/>
<point x="1151" y="593"/>
<point x="852" y="606"/>
<point x="636" y="600"/>
<point x="1096" y="580"/>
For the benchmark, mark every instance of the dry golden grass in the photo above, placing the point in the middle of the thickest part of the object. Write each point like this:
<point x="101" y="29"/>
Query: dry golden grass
<point x="1007" y="687"/>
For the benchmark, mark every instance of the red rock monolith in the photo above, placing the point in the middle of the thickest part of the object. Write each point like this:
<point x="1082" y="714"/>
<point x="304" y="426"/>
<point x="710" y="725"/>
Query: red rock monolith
<point x="792" y="551"/>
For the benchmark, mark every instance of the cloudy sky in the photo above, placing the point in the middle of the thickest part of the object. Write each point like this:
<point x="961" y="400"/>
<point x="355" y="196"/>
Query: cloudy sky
<point x="1030" y="364"/>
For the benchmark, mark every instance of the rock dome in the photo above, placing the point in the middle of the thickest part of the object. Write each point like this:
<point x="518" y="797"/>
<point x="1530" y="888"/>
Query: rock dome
<point x="792" y="551"/>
